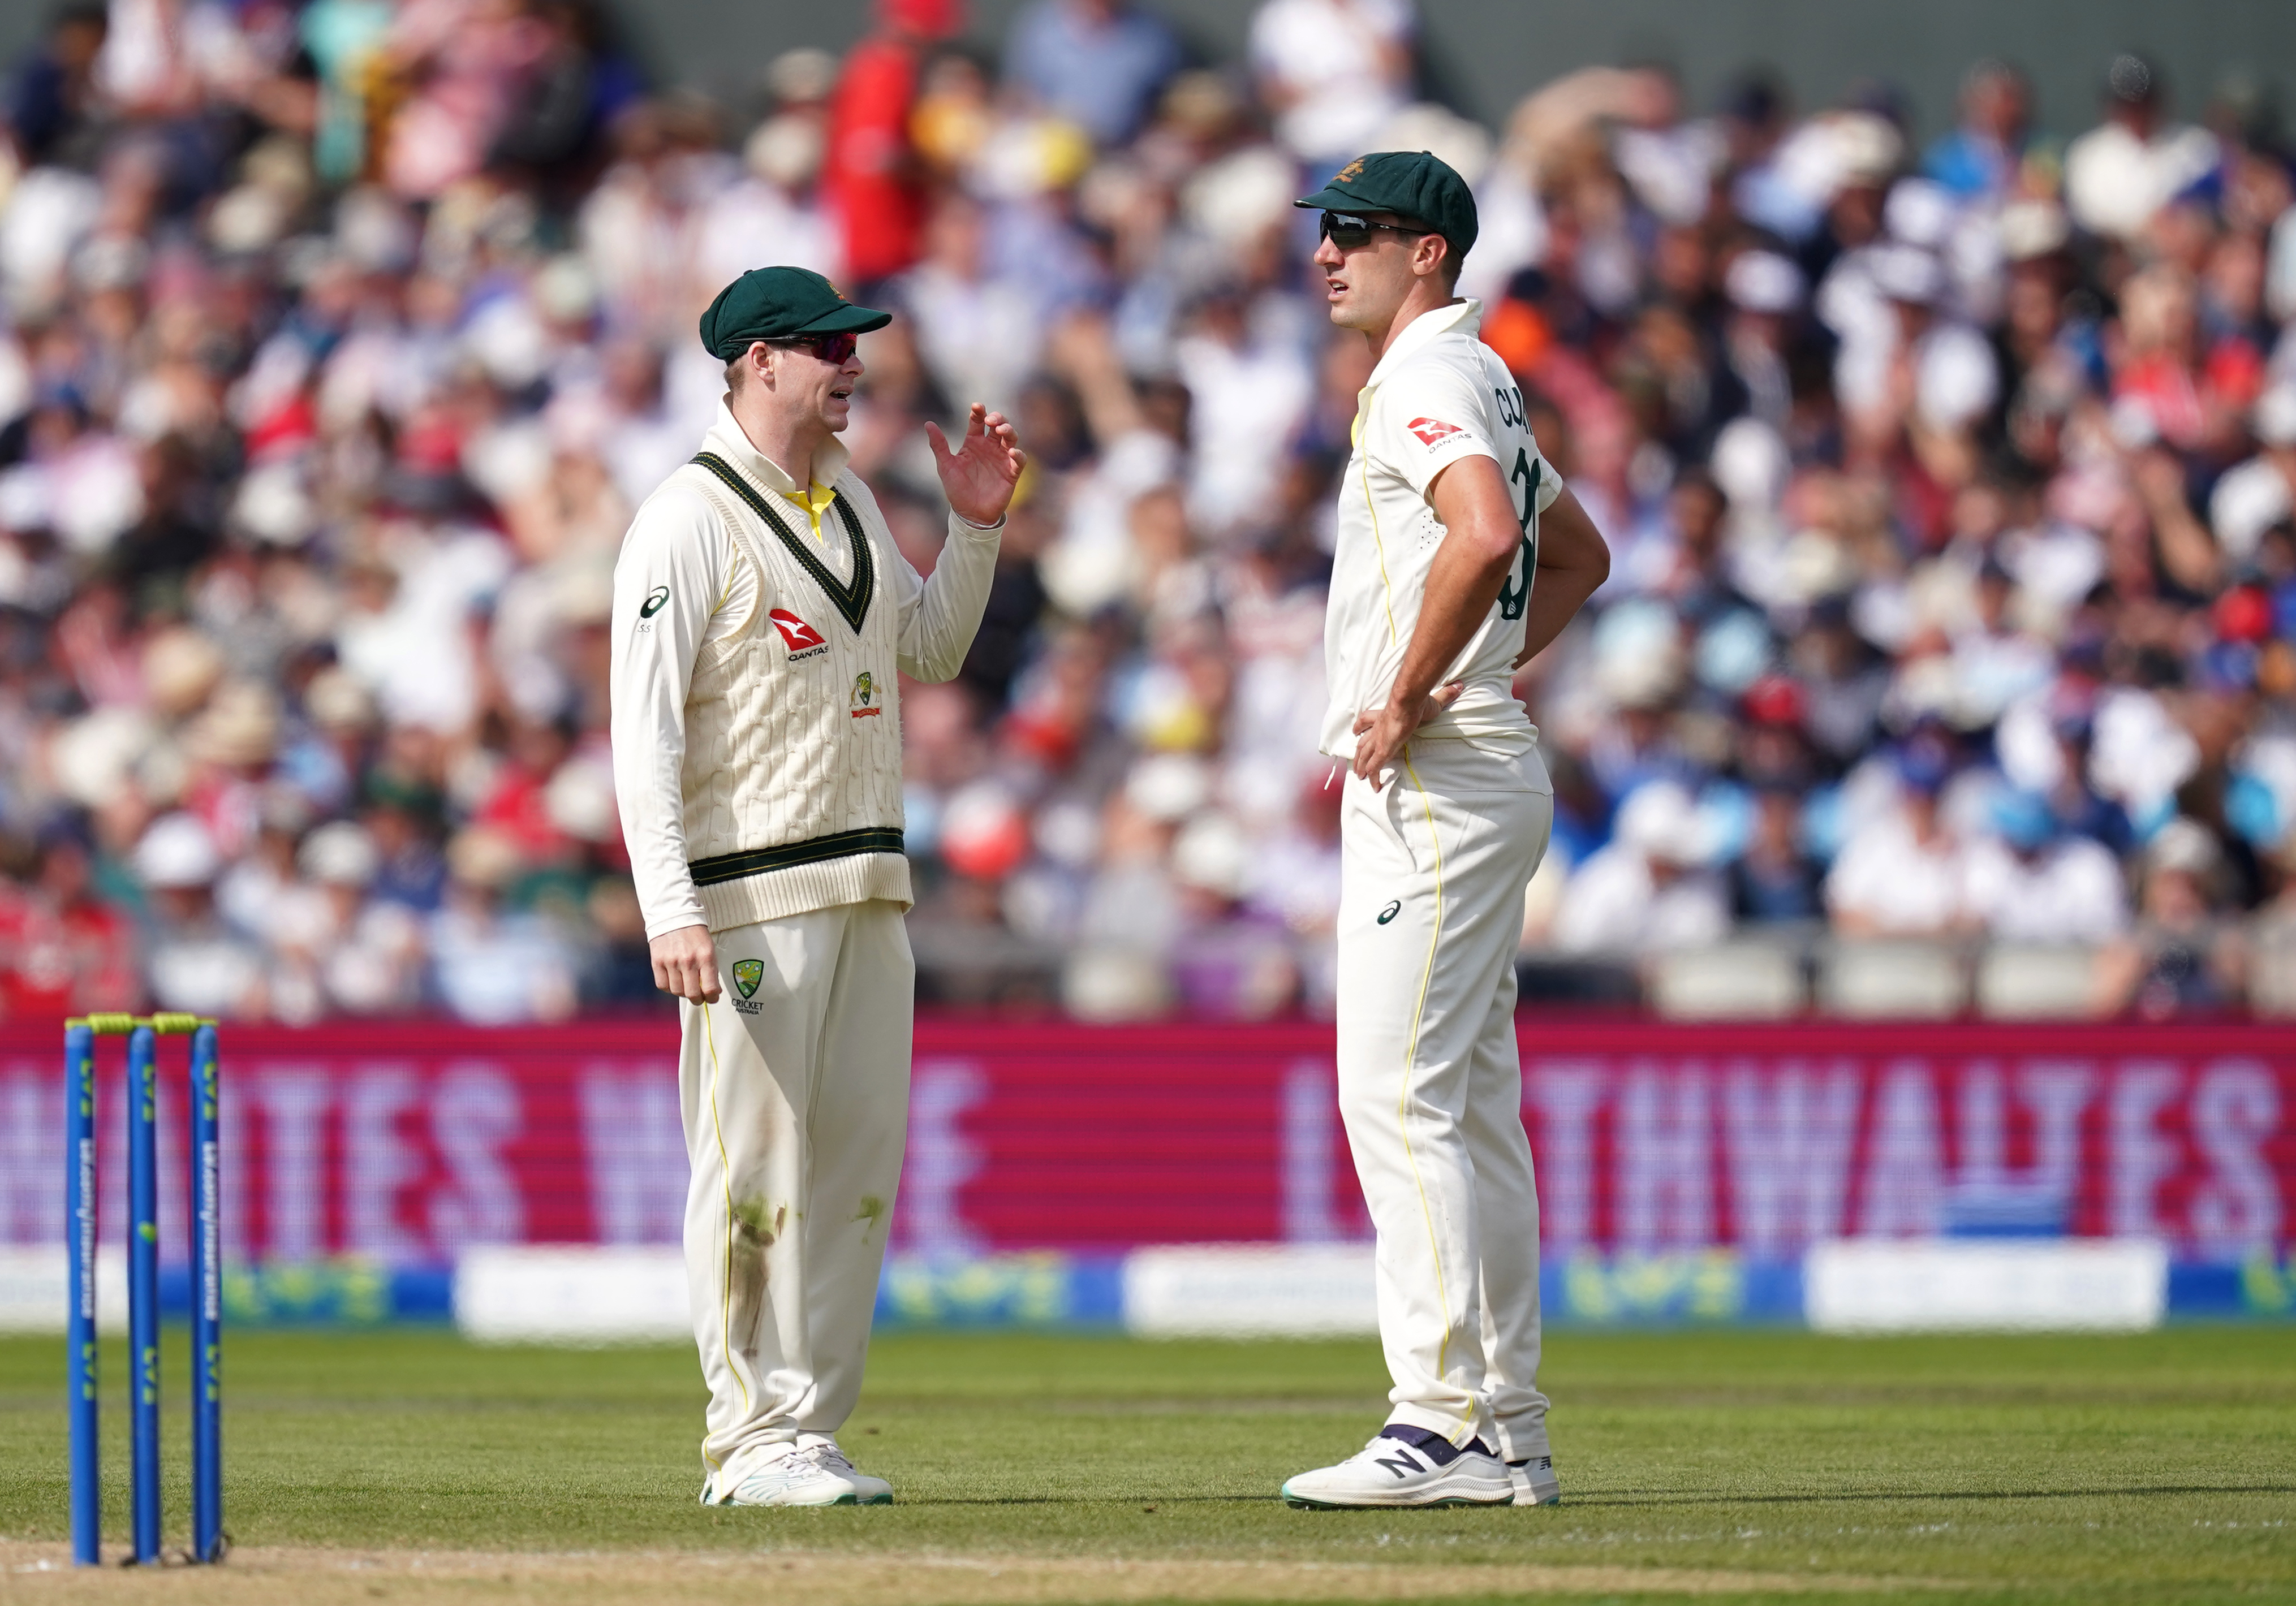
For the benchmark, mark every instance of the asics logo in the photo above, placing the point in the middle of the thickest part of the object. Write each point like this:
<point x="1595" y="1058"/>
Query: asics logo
<point x="653" y="605"/>
<point x="1390" y="912"/>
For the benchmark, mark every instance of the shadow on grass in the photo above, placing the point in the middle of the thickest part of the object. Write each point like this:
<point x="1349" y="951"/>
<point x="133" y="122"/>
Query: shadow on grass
<point x="1879" y="1494"/>
<point x="1620" y="1501"/>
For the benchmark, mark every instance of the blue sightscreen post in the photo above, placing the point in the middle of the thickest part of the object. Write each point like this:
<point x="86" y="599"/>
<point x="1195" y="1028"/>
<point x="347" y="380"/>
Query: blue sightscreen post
<point x="143" y="1285"/>
<point x="207" y="1299"/>
<point x="79" y="1255"/>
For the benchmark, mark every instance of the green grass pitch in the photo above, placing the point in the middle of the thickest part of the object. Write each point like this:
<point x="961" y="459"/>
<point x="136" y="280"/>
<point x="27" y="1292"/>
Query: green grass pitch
<point x="2160" y="1468"/>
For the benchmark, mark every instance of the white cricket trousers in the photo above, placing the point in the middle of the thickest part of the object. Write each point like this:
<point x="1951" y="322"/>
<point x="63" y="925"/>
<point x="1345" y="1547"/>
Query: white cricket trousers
<point x="1433" y="869"/>
<point x="795" y="1091"/>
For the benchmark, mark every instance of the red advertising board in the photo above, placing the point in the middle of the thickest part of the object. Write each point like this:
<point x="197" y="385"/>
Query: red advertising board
<point x="403" y="1142"/>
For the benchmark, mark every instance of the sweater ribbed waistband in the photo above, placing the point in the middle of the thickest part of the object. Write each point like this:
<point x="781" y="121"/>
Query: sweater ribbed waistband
<point x="812" y="850"/>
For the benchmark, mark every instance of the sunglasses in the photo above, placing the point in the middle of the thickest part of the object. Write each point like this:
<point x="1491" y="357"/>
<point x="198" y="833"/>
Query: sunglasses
<point x="835" y="349"/>
<point x="1350" y="233"/>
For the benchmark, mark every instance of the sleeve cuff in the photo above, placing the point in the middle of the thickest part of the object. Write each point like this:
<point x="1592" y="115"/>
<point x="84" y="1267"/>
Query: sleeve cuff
<point x="676" y="922"/>
<point x="957" y="521"/>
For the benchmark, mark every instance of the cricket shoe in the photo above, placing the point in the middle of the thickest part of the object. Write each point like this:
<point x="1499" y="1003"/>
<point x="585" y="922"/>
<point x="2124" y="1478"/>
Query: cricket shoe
<point x="866" y="1490"/>
<point x="1535" y="1483"/>
<point x="806" y="1474"/>
<point x="1404" y="1466"/>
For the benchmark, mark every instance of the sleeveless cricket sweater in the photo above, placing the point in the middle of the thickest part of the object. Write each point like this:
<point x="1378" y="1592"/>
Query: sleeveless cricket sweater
<point x="792" y="773"/>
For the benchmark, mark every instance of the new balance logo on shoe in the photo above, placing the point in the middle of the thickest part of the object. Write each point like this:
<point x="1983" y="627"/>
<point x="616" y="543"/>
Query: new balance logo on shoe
<point x="1400" y="1464"/>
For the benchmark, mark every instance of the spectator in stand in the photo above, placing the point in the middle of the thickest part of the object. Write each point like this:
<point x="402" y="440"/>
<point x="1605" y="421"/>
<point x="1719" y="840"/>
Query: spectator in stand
<point x="52" y="93"/>
<point x="362" y="957"/>
<point x="1099" y="63"/>
<point x="494" y="966"/>
<point x="2033" y="883"/>
<point x="2182" y="957"/>
<point x="2260" y="492"/>
<point x="1773" y="879"/>
<point x="2119" y="175"/>
<point x="1332" y="71"/>
<point x="871" y="177"/>
<point x="66" y="948"/>
<point x="572" y="89"/>
<point x="978" y="334"/>
<point x="774" y="213"/>
<point x="198" y="965"/>
<point x="1979" y="160"/>
<point x="1904" y="872"/>
<point x="410" y="871"/>
<point x="1649" y="889"/>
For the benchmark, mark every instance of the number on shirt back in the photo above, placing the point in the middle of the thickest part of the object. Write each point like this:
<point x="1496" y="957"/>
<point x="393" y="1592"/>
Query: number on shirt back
<point x="1515" y="600"/>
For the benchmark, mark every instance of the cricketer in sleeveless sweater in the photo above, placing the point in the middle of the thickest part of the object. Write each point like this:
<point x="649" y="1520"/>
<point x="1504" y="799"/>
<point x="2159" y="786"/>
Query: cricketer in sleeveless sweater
<point x="759" y="631"/>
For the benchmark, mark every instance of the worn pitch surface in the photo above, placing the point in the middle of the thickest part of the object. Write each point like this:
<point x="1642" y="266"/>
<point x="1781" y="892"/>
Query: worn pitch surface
<point x="409" y="1466"/>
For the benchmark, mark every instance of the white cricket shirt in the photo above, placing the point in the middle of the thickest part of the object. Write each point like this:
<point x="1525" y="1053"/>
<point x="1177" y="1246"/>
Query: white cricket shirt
<point x="1437" y="395"/>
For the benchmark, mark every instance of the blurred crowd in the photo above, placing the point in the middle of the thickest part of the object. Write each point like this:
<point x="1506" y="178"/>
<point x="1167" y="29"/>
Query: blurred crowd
<point x="1951" y="489"/>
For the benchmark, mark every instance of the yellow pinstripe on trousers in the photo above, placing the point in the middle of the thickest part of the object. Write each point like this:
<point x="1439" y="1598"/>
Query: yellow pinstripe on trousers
<point x="1430" y="1084"/>
<point x="796" y="1097"/>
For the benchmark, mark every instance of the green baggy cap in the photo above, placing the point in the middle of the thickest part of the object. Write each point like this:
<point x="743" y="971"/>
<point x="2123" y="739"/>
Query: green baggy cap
<point x="1416" y="185"/>
<point x="775" y="303"/>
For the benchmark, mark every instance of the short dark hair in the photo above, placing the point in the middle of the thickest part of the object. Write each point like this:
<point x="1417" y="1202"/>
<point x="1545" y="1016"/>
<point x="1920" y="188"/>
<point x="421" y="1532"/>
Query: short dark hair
<point x="1418" y="225"/>
<point x="1452" y="262"/>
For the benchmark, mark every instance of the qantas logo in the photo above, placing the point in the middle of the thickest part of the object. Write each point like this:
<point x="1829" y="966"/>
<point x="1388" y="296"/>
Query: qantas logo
<point x="1433" y="431"/>
<point x="800" y="636"/>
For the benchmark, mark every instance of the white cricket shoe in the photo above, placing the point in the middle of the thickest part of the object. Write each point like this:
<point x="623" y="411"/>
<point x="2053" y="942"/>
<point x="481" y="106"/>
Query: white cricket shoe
<point x="866" y="1490"/>
<point x="1535" y="1483"/>
<point x="1404" y="1466"/>
<point x="808" y="1474"/>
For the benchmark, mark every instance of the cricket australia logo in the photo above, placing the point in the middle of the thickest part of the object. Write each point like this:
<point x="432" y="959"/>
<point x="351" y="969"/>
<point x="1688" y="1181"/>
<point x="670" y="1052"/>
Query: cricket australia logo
<point x="1354" y="169"/>
<point x="864" y="696"/>
<point x="746" y="974"/>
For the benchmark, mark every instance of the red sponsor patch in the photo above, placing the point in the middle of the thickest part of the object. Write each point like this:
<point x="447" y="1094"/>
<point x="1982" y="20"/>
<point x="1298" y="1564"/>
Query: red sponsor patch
<point x="795" y="631"/>
<point x="1434" y="431"/>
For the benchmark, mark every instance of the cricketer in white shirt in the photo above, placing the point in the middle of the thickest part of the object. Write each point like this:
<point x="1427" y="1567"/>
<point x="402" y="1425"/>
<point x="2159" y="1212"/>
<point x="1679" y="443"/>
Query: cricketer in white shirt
<point x="1439" y="395"/>
<point x="763" y="617"/>
<point x="1444" y="583"/>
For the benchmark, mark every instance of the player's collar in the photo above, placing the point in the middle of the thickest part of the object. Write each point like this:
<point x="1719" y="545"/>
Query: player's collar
<point x="727" y="439"/>
<point x="1466" y="317"/>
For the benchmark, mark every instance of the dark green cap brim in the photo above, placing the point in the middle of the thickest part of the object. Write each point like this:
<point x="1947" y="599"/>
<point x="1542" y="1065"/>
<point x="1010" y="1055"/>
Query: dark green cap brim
<point x="848" y="320"/>
<point x="1329" y="200"/>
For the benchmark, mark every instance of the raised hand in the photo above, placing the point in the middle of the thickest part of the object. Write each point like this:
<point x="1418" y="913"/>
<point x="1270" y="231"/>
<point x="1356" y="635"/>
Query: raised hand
<point x="978" y="476"/>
